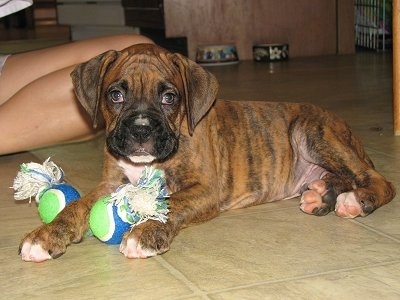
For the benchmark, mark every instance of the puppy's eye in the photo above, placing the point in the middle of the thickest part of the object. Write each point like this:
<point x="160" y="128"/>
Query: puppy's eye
<point x="168" y="99"/>
<point x="116" y="96"/>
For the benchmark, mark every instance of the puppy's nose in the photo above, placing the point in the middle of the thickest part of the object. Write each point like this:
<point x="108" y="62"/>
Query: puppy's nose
<point x="140" y="128"/>
<point x="141" y="132"/>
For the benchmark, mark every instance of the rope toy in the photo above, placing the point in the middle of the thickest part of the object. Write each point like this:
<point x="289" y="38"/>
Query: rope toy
<point x="112" y="215"/>
<point x="46" y="183"/>
<point x="129" y="206"/>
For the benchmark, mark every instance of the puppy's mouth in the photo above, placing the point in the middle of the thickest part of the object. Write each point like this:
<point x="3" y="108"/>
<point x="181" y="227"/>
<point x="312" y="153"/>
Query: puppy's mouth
<point x="140" y="151"/>
<point x="141" y="156"/>
<point x="129" y="148"/>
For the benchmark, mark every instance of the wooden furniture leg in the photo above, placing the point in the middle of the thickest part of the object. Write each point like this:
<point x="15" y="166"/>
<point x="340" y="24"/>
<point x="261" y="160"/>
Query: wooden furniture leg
<point x="396" y="67"/>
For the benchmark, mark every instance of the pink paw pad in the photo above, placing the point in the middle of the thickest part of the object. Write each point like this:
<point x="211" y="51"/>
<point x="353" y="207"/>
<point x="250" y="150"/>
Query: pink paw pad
<point x="347" y="206"/>
<point x="311" y="199"/>
<point x="131" y="249"/>
<point x="34" y="253"/>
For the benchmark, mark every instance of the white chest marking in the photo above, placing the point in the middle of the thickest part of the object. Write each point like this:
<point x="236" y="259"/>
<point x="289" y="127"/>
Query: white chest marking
<point x="131" y="170"/>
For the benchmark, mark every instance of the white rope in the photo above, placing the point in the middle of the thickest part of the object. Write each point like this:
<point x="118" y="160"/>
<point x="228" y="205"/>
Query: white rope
<point x="146" y="201"/>
<point x="34" y="178"/>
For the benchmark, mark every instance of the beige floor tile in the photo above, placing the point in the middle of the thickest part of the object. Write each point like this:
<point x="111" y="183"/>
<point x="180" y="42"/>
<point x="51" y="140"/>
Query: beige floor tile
<point x="93" y="271"/>
<point x="16" y="221"/>
<point x="244" y="249"/>
<point x="389" y="224"/>
<point x="373" y="283"/>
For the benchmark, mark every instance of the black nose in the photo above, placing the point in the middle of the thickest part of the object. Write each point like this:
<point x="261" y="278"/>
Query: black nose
<point x="141" y="132"/>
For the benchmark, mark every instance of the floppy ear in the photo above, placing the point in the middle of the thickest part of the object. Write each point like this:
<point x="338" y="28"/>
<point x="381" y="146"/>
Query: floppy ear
<point x="200" y="87"/>
<point x="87" y="79"/>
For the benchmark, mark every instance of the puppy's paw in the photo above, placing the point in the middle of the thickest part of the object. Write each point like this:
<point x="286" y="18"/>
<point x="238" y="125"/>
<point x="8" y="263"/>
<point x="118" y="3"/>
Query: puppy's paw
<point x="347" y="206"/>
<point x="310" y="201"/>
<point x="33" y="252"/>
<point x="131" y="248"/>
<point x="146" y="240"/>
<point x="317" y="200"/>
<point x="44" y="243"/>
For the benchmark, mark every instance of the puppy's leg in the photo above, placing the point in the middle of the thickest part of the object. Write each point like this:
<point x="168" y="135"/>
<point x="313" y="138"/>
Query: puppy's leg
<point x="322" y="197"/>
<point x="371" y="192"/>
<point x="51" y="240"/>
<point x="194" y="205"/>
<point x="353" y="187"/>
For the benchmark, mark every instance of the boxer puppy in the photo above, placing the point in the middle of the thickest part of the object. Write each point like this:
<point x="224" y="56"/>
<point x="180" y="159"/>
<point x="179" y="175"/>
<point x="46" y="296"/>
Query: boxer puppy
<point x="159" y="109"/>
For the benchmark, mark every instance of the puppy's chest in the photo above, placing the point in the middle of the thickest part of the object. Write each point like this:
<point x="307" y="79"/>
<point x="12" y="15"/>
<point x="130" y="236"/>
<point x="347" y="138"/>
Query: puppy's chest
<point x="131" y="171"/>
<point x="135" y="172"/>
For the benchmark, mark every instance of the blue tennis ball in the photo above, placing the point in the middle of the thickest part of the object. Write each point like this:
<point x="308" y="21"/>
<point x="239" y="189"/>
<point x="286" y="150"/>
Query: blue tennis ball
<point x="54" y="199"/>
<point x="105" y="222"/>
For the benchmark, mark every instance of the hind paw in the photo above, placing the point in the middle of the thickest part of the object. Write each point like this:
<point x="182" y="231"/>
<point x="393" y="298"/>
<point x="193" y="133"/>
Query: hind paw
<point x="317" y="200"/>
<point x="347" y="206"/>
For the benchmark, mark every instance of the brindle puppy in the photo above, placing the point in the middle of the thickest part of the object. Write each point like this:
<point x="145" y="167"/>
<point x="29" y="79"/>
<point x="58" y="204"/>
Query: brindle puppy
<point x="159" y="109"/>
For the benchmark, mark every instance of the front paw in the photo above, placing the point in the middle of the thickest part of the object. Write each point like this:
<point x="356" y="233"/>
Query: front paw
<point x="146" y="240"/>
<point x="46" y="242"/>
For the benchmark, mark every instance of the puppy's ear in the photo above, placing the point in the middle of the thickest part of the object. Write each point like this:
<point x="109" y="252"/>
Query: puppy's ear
<point x="87" y="79"/>
<point x="200" y="87"/>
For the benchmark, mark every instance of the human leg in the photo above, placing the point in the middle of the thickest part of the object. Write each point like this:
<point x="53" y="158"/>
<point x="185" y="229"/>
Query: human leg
<point x="39" y="107"/>
<point x="23" y="68"/>
<point x="43" y="113"/>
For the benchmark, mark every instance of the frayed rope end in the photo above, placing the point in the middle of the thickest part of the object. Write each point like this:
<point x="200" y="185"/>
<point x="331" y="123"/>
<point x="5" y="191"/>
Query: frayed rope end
<point x="33" y="178"/>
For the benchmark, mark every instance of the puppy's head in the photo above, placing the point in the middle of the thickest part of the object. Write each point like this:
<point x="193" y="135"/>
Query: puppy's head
<point x="147" y="96"/>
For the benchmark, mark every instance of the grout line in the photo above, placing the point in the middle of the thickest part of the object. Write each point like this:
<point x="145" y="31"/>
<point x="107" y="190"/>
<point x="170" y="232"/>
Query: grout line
<point x="374" y="230"/>
<point x="299" y="277"/>
<point x="182" y="278"/>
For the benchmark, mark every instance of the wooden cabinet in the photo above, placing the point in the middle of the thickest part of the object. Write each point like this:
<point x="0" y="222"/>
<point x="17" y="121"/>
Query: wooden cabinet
<point x="144" y="13"/>
<point x="148" y="15"/>
<point x="310" y="27"/>
<point x="93" y="18"/>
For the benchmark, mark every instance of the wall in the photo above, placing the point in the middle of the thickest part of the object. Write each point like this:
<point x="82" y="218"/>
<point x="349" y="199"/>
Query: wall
<point x="310" y="27"/>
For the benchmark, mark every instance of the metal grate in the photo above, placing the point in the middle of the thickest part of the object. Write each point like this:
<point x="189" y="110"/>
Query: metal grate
<point x="373" y="24"/>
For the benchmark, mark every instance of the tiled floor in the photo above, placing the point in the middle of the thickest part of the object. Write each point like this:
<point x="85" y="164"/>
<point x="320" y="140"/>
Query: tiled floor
<point x="271" y="251"/>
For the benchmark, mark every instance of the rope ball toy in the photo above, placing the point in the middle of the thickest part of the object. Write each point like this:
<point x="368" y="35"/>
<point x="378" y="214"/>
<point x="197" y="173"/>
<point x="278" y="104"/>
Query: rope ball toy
<point x="46" y="183"/>
<point x="129" y="206"/>
<point x="112" y="215"/>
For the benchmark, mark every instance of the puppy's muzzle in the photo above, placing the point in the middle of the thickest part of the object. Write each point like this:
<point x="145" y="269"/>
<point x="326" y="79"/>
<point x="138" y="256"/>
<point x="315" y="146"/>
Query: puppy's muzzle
<point x="141" y="135"/>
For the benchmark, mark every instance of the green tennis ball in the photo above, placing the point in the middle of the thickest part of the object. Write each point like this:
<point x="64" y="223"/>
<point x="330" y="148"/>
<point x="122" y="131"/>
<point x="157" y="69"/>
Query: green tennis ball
<point x="105" y="222"/>
<point x="53" y="200"/>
